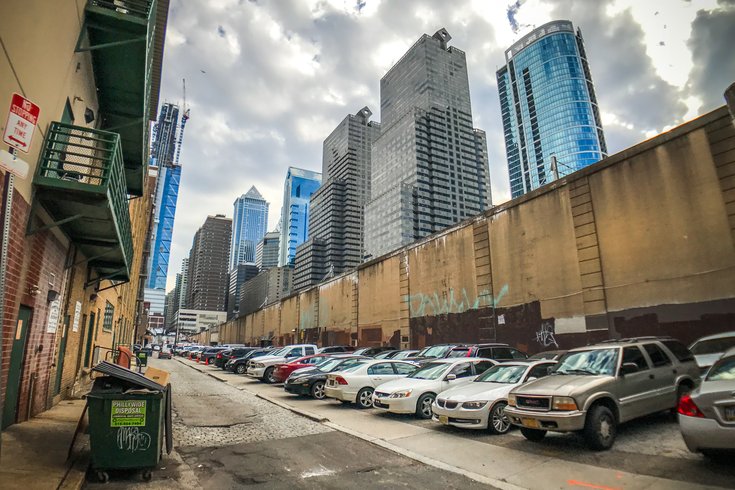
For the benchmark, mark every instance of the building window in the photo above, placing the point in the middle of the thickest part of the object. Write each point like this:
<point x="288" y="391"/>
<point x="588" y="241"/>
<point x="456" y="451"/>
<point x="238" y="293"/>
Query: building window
<point x="109" y="313"/>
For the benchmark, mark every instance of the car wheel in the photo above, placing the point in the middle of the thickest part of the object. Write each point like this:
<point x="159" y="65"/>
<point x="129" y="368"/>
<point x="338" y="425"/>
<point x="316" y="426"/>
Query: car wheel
<point x="534" y="435"/>
<point x="365" y="398"/>
<point x="317" y="390"/>
<point x="268" y="376"/>
<point x="600" y="428"/>
<point x="423" y="406"/>
<point x="498" y="422"/>
<point x="240" y="369"/>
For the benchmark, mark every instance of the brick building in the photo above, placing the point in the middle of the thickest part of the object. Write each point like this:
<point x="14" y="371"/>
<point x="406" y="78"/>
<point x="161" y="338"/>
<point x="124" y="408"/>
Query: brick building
<point x="79" y="219"/>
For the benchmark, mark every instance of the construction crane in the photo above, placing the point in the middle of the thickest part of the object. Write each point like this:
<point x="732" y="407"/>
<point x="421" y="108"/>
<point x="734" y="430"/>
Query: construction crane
<point x="184" y="118"/>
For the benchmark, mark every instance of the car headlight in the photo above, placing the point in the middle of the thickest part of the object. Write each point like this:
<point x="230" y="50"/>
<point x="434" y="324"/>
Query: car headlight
<point x="474" y="405"/>
<point x="258" y="365"/>
<point x="563" y="403"/>
<point x="297" y="381"/>
<point x="401" y="394"/>
<point x="511" y="400"/>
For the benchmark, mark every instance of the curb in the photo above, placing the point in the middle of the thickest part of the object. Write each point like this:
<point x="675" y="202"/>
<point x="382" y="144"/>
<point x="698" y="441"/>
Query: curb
<point x="76" y="474"/>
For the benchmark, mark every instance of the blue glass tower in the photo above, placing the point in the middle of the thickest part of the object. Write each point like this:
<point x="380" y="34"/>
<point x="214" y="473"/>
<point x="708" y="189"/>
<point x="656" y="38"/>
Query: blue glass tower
<point x="249" y="224"/>
<point x="299" y="186"/>
<point x="549" y="108"/>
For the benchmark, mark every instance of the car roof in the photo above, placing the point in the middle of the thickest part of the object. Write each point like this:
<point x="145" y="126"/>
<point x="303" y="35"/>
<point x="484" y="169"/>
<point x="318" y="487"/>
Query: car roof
<point x="723" y="335"/>
<point x="455" y="360"/>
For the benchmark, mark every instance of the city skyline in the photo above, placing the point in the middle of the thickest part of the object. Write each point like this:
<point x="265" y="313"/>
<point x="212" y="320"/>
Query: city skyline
<point x="307" y="81"/>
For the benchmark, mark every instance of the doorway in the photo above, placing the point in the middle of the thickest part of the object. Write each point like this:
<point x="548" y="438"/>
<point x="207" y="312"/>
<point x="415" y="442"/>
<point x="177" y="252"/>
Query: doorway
<point x="90" y="338"/>
<point x="15" y="370"/>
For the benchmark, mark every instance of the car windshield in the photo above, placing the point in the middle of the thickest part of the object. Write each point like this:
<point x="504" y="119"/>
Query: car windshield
<point x="434" y="351"/>
<point x="405" y="354"/>
<point x="385" y="354"/>
<point x="279" y="352"/>
<point x="433" y="370"/>
<point x="591" y="362"/>
<point x="502" y="374"/>
<point x="351" y="368"/>
<point x="723" y="370"/>
<point x="459" y="352"/>
<point x="713" y="346"/>
<point x="335" y="364"/>
<point x="320" y="360"/>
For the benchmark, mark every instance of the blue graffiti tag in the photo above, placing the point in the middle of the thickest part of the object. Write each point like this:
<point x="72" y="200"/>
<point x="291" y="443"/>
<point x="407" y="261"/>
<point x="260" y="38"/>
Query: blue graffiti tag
<point x="421" y="304"/>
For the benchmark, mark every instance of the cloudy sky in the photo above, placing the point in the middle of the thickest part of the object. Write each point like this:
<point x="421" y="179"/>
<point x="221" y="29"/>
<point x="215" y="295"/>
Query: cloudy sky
<point x="267" y="81"/>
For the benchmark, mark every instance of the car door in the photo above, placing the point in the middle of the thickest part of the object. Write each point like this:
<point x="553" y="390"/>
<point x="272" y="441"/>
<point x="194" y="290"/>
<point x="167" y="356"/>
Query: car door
<point x="380" y="373"/>
<point x="634" y="389"/>
<point x="662" y="367"/>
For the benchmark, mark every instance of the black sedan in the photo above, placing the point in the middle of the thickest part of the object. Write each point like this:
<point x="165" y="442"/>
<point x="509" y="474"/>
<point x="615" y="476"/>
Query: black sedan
<point x="310" y="381"/>
<point x="232" y="353"/>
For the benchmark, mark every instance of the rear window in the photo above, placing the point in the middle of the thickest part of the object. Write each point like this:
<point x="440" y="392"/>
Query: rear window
<point x="657" y="355"/>
<point x="724" y="369"/>
<point x="713" y="346"/>
<point x="679" y="350"/>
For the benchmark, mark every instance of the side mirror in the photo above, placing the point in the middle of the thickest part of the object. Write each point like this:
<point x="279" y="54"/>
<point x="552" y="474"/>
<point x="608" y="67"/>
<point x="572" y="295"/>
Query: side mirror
<point x="531" y="378"/>
<point x="451" y="377"/>
<point x="628" y="368"/>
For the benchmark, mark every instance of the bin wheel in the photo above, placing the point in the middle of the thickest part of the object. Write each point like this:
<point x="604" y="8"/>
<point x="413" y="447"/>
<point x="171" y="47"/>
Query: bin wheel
<point x="147" y="475"/>
<point x="103" y="477"/>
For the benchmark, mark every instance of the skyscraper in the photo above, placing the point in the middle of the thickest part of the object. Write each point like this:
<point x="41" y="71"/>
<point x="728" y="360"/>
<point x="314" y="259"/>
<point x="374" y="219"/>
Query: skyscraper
<point x="207" y="278"/>
<point x="429" y="166"/>
<point x="299" y="186"/>
<point x="549" y="108"/>
<point x="249" y="224"/>
<point x="336" y="221"/>
<point x="266" y="252"/>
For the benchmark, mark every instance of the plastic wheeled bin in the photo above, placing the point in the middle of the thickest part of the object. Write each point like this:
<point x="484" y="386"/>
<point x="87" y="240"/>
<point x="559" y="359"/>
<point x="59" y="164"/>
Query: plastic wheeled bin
<point x="127" y="422"/>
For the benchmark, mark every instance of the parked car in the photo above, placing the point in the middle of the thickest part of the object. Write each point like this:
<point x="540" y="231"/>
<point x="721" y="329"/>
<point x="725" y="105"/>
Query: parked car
<point x="373" y="351"/>
<point x="165" y="353"/>
<point x="335" y="349"/>
<point x="195" y="352"/>
<point x="232" y="353"/>
<point x="396" y="354"/>
<point x="284" y="370"/>
<point x="416" y="392"/>
<point x="311" y="381"/>
<point x="495" y="351"/>
<point x="707" y="414"/>
<point x="264" y="367"/>
<point x="481" y="403"/>
<point x="437" y="351"/>
<point x="593" y="389"/>
<point x="210" y="354"/>
<point x="356" y="383"/>
<point x="239" y="365"/>
<point x="551" y="355"/>
<point x="709" y="349"/>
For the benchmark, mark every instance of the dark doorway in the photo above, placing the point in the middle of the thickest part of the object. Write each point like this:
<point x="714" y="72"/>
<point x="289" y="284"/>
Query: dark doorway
<point x="15" y="370"/>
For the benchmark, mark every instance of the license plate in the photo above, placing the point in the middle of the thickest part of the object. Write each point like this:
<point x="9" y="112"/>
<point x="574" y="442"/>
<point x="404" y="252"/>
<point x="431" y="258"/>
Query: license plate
<point x="730" y="414"/>
<point x="532" y="423"/>
<point x="444" y="419"/>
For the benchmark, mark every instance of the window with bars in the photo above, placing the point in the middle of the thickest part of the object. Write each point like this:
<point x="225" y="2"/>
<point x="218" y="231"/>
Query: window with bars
<point x="109" y="313"/>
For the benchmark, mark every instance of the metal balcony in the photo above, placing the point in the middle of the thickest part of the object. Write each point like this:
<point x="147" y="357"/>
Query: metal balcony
<point x="80" y="182"/>
<point x="120" y="36"/>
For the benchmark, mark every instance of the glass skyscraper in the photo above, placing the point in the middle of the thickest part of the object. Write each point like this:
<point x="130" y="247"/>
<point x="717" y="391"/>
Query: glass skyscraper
<point x="297" y="190"/>
<point x="549" y="108"/>
<point x="249" y="224"/>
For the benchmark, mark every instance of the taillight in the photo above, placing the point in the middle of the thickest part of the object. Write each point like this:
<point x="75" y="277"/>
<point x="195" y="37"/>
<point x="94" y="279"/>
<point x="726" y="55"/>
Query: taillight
<point x="219" y="355"/>
<point x="340" y="380"/>
<point x="469" y="352"/>
<point x="688" y="407"/>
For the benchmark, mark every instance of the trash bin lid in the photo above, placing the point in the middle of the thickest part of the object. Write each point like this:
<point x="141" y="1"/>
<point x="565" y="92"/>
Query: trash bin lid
<point x="127" y="375"/>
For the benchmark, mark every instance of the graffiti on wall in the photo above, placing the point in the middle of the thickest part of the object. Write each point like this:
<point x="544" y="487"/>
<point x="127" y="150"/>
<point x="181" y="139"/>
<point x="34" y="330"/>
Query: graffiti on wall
<point x="545" y="335"/>
<point x="422" y="304"/>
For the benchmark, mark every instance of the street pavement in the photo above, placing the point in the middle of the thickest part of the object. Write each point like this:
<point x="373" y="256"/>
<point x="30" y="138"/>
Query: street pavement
<point x="649" y="452"/>
<point x="229" y="438"/>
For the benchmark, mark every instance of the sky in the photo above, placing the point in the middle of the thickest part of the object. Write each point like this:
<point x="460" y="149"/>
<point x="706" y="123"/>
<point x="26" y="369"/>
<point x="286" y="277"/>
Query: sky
<point x="268" y="81"/>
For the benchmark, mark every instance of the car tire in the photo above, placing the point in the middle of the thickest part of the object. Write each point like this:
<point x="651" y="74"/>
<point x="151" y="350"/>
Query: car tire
<point x="497" y="421"/>
<point x="268" y="375"/>
<point x="240" y="369"/>
<point x="600" y="428"/>
<point x="365" y="398"/>
<point x="423" y="406"/>
<point x="534" y="435"/>
<point x="317" y="390"/>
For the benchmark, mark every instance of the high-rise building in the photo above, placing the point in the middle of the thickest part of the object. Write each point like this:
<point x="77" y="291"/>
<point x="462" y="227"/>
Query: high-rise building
<point x="249" y="224"/>
<point x="183" y="287"/>
<point x="550" y="115"/>
<point x="299" y="186"/>
<point x="208" y="281"/>
<point x="336" y="221"/>
<point x="266" y="252"/>
<point x="238" y="276"/>
<point x="429" y="165"/>
<point x="267" y="287"/>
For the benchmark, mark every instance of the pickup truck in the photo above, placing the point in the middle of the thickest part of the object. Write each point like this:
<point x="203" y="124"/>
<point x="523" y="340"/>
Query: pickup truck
<point x="263" y="367"/>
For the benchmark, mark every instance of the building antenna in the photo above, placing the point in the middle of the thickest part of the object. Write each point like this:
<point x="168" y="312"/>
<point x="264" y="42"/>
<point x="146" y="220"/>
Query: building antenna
<point x="184" y="118"/>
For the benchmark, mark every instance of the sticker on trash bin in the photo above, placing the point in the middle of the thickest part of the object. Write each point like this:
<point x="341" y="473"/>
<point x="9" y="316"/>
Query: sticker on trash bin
<point x="127" y="413"/>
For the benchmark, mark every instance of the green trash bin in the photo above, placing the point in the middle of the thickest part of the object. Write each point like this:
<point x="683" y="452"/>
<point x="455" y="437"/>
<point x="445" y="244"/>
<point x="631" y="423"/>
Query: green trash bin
<point x="142" y="358"/>
<point x="125" y="428"/>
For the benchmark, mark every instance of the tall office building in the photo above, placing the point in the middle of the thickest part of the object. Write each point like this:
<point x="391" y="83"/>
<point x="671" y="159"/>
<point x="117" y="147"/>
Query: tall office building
<point x="429" y="166"/>
<point x="207" y="278"/>
<point x="183" y="286"/>
<point x="266" y="252"/>
<point x="238" y="276"/>
<point x="336" y="221"/>
<point x="549" y="108"/>
<point x="297" y="190"/>
<point x="249" y="224"/>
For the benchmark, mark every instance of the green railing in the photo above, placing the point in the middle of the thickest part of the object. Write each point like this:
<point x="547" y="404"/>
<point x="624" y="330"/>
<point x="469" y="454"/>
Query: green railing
<point x="88" y="160"/>
<point x="137" y="8"/>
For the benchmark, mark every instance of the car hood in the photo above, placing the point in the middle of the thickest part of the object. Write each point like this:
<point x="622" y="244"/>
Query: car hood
<point x="478" y="391"/>
<point x="706" y="360"/>
<point x="563" y="385"/>
<point x="410" y="384"/>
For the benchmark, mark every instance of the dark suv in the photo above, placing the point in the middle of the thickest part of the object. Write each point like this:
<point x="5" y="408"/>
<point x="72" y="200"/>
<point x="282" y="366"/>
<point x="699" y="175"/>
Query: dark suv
<point x="496" y="352"/>
<point x="233" y="353"/>
<point x="208" y="355"/>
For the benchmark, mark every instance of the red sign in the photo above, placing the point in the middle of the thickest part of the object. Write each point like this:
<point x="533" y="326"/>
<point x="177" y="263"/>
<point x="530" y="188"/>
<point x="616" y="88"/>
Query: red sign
<point x="22" y="120"/>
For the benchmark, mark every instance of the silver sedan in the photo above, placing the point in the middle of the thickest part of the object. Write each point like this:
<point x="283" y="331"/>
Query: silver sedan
<point x="707" y="415"/>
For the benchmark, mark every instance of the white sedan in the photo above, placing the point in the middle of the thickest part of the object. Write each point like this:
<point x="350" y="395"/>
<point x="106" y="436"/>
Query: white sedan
<point x="357" y="383"/>
<point x="415" y="393"/>
<point x="481" y="404"/>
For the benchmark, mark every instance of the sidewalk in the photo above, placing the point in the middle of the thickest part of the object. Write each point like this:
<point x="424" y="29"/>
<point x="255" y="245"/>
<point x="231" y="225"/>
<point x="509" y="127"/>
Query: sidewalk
<point x="34" y="453"/>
